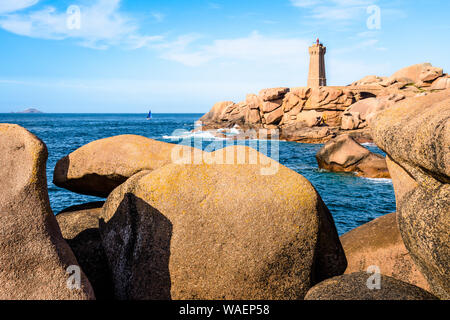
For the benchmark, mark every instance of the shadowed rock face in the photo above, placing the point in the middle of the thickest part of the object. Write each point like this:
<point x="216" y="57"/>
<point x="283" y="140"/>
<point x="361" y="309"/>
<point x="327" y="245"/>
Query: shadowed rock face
<point x="33" y="254"/>
<point x="344" y="154"/>
<point x="416" y="136"/>
<point x="100" y="166"/>
<point x="79" y="226"/>
<point x="354" y="287"/>
<point x="213" y="231"/>
<point x="379" y="243"/>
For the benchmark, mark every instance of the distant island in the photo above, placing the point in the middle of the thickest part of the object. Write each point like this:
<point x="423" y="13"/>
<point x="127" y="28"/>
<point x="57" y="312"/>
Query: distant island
<point x="29" y="110"/>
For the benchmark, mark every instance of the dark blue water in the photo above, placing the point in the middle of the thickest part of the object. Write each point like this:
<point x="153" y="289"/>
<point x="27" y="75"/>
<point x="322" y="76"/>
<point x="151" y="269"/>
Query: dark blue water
<point x="353" y="201"/>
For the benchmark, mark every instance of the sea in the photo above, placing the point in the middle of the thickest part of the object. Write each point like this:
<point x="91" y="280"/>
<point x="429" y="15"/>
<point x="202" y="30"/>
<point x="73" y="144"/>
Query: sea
<point x="352" y="200"/>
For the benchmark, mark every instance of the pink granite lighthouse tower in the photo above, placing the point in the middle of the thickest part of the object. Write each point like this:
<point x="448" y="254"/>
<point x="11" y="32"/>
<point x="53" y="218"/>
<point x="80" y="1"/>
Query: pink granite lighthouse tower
<point x="317" y="76"/>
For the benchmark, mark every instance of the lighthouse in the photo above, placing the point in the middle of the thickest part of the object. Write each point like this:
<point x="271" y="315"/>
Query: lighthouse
<point x="317" y="76"/>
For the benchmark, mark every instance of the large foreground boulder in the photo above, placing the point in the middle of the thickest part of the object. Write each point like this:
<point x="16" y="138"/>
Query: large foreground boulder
<point x="416" y="136"/>
<point x="219" y="231"/>
<point x="354" y="287"/>
<point x="79" y="226"/>
<point x="99" y="167"/>
<point x="33" y="255"/>
<point x="344" y="154"/>
<point x="379" y="243"/>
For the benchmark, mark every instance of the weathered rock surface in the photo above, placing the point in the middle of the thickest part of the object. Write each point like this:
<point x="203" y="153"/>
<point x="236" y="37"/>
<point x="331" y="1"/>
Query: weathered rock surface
<point x="329" y="98"/>
<point x="33" y="255"/>
<point x="418" y="73"/>
<point x="213" y="231"/>
<point x="274" y="117"/>
<point x="283" y="108"/>
<point x="351" y="121"/>
<point x="100" y="166"/>
<point x="344" y="154"/>
<point x="354" y="287"/>
<point x="369" y="80"/>
<point x="415" y="134"/>
<point x="310" y="118"/>
<point x="235" y="113"/>
<point x="441" y="83"/>
<point x="79" y="226"/>
<point x="360" y="113"/>
<point x="379" y="243"/>
<point x="273" y="93"/>
<point x="300" y="133"/>
<point x="217" y="111"/>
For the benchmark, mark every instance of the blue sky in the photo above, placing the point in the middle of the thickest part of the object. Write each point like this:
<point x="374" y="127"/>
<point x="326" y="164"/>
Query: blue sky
<point x="183" y="56"/>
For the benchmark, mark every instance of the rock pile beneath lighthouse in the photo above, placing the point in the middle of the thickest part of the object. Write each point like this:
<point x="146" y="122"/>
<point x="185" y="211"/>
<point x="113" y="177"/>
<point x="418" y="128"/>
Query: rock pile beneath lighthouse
<point x="316" y="115"/>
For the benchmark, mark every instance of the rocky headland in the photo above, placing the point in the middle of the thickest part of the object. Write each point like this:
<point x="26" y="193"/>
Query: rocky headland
<point x="316" y="115"/>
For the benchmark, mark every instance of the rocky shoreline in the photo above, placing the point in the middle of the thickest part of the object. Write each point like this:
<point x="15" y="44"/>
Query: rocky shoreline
<point x="199" y="228"/>
<point x="317" y="115"/>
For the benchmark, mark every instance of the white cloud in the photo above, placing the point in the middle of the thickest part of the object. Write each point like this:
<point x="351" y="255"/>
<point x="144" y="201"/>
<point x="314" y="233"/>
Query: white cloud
<point x="158" y="16"/>
<point x="353" y="2"/>
<point x="336" y="13"/>
<point x="342" y="14"/>
<point x="7" y="6"/>
<point x="214" y="5"/>
<point x="102" y="25"/>
<point x="304" y="3"/>
<point x="254" y="48"/>
<point x="358" y="46"/>
<point x="340" y="3"/>
<point x="333" y="10"/>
